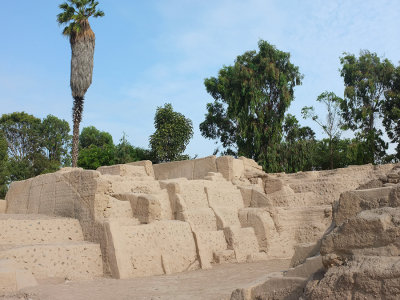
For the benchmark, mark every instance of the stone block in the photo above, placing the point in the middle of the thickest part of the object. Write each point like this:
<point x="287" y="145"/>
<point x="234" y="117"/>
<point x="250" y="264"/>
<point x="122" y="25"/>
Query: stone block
<point x="242" y="240"/>
<point x="152" y="249"/>
<point x="126" y="170"/>
<point x="117" y="208"/>
<point x="13" y="279"/>
<point x="262" y="223"/>
<point x="352" y="202"/>
<point x="247" y="194"/>
<point x="176" y="169"/>
<point x="200" y="219"/>
<point x="304" y="251"/>
<point x="147" y="164"/>
<point x="33" y="229"/>
<point x="208" y="243"/>
<point x="309" y="267"/>
<point x="272" y="185"/>
<point x="289" y="288"/>
<point x="237" y="168"/>
<point x="203" y="166"/>
<point x="3" y="206"/>
<point x="148" y="209"/>
<point x="72" y="260"/>
<point x="372" y="232"/>
<point x="225" y="166"/>
<point x="17" y="197"/>
<point x="260" y="199"/>
<point x="8" y="281"/>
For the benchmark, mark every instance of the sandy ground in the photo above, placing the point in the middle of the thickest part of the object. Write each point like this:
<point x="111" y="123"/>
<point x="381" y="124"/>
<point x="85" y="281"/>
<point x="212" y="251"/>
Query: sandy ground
<point x="214" y="284"/>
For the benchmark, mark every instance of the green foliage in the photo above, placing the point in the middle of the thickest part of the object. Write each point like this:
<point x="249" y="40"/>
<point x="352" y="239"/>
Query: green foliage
<point x="92" y="136"/>
<point x="345" y="152"/>
<point x="250" y="101"/>
<point x="94" y="156"/>
<point x="4" y="174"/>
<point x="172" y="135"/>
<point x="391" y="112"/>
<point x="96" y="148"/>
<point x="366" y="80"/>
<point x="125" y="152"/>
<point x="296" y="152"/>
<point x="75" y="13"/>
<point x="332" y="124"/>
<point x="56" y="140"/>
<point x="34" y="147"/>
<point x="21" y="131"/>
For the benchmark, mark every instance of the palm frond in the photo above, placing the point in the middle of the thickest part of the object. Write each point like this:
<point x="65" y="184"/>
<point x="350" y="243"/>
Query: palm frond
<point x="75" y="13"/>
<point x="98" y="14"/>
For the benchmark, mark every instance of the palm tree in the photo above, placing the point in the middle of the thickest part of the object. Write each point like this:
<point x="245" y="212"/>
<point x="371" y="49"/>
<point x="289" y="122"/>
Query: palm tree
<point x="75" y="15"/>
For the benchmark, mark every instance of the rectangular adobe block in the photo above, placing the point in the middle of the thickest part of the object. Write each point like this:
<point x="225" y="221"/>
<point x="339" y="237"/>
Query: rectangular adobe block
<point x="3" y="206"/>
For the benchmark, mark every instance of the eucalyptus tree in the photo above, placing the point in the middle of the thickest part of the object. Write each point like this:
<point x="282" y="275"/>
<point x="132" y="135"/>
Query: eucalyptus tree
<point x="75" y="16"/>
<point x="391" y="111"/>
<point x="332" y="124"/>
<point x="367" y="79"/>
<point x="251" y="98"/>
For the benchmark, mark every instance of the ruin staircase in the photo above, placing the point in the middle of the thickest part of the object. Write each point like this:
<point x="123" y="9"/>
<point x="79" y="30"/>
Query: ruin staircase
<point x="48" y="247"/>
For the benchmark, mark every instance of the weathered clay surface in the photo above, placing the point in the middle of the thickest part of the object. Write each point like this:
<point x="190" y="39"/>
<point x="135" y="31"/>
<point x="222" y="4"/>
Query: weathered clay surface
<point x="174" y="217"/>
<point x="13" y="278"/>
<point x="361" y="254"/>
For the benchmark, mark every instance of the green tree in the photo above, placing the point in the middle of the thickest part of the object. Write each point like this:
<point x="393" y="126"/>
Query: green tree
<point x="56" y="140"/>
<point x="391" y="111"/>
<point x="296" y="151"/>
<point x="172" y="135"/>
<point x="96" y="148"/>
<point x="95" y="156"/>
<point x="75" y="16"/>
<point x="332" y="124"/>
<point x="125" y="152"/>
<point x="4" y="173"/>
<point x="366" y="80"/>
<point x="21" y="131"/>
<point x="250" y="101"/>
<point x="92" y="136"/>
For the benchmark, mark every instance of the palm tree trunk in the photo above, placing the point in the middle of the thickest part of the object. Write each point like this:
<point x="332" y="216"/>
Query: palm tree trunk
<point x="82" y="46"/>
<point x="77" y="118"/>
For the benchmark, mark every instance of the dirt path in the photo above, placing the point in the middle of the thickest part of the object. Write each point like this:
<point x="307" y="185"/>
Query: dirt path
<point x="216" y="283"/>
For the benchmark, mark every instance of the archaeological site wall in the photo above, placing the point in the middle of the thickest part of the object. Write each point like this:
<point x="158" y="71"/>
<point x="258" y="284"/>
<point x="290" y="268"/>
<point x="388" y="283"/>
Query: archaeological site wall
<point x="140" y="219"/>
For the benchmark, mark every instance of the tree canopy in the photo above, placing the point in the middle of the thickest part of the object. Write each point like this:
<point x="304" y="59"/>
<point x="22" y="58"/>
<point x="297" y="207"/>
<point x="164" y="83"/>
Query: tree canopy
<point x="367" y="78"/>
<point x="96" y="148"/>
<point x="250" y="101"/>
<point x="75" y="13"/>
<point x="172" y="135"/>
<point x="4" y="175"/>
<point x="333" y="122"/>
<point x="32" y="146"/>
<point x="391" y="111"/>
<point x="92" y="136"/>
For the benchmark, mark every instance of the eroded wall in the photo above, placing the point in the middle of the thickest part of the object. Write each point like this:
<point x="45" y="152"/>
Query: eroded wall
<point x="173" y="217"/>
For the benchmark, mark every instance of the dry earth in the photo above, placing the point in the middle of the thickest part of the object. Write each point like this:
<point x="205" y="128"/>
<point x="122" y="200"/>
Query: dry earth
<point x="213" y="284"/>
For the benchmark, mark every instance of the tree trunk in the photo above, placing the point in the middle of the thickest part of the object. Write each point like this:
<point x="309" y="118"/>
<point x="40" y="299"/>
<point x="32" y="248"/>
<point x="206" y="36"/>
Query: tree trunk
<point x="77" y="118"/>
<point x="331" y="153"/>
<point x="372" y="136"/>
<point x="82" y="47"/>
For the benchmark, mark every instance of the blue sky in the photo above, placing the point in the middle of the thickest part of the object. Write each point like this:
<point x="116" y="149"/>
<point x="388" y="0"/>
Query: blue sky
<point x="152" y="52"/>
